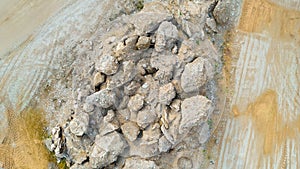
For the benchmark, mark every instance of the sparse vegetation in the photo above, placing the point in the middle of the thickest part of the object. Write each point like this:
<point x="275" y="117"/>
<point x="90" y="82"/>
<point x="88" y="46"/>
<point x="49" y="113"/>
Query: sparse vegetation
<point x="139" y="4"/>
<point x="210" y="123"/>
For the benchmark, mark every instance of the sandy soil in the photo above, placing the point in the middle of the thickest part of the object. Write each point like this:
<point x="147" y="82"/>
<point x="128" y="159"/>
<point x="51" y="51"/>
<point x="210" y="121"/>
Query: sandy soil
<point x="262" y="132"/>
<point x="21" y="18"/>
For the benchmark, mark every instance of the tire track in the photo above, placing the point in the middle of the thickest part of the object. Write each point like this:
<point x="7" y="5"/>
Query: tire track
<point x="264" y="132"/>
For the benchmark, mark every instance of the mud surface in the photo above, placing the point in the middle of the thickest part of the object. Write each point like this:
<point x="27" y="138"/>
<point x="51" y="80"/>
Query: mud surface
<point x="262" y="131"/>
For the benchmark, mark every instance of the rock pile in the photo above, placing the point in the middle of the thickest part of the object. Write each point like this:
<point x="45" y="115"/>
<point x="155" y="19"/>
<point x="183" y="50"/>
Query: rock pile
<point x="143" y="94"/>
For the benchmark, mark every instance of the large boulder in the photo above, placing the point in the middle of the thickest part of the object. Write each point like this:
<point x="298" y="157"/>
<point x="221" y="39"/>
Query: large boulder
<point x="193" y="76"/>
<point x="103" y="98"/>
<point x="148" y="22"/>
<point x="166" y="36"/>
<point x="107" y="149"/>
<point x="195" y="111"/>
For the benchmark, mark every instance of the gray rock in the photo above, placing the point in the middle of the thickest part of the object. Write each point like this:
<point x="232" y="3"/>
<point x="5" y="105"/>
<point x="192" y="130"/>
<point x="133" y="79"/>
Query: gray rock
<point x="168" y="135"/>
<point x="222" y="12"/>
<point x="131" y="41"/>
<point x="126" y="73"/>
<point x="103" y="98"/>
<point x="204" y="134"/>
<point x="143" y="149"/>
<point x="80" y="166"/>
<point x="195" y="111"/>
<point x="151" y="134"/>
<point x="186" y="52"/>
<point x="107" y="65"/>
<point x="88" y="107"/>
<point x="193" y="76"/>
<point x="130" y="130"/>
<point x="79" y="124"/>
<point x="166" y="36"/>
<point x="211" y="24"/>
<point x="148" y="22"/>
<point x="136" y="163"/>
<point x="136" y="103"/>
<point x="145" y="117"/>
<point x="164" y="145"/>
<point x="166" y="93"/>
<point x="106" y="127"/>
<point x="168" y="65"/>
<point x="143" y="42"/>
<point x="107" y="149"/>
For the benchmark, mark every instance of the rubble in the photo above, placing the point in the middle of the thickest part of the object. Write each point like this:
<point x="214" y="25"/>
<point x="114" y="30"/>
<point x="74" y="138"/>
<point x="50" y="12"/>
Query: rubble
<point x="107" y="149"/>
<point x="107" y="65"/>
<point x="79" y="124"/>
<point x="167" y="93"/>
<point x="130" y="131"/>
<point x="135" y="103"/>
<point x="166" y="37"/>
<point x="145" y="94"/>
<point x="139" y="163"/>
<point x="164" y="144"/>
<point x="195" y="111"/>
<point x="193" y="77"/>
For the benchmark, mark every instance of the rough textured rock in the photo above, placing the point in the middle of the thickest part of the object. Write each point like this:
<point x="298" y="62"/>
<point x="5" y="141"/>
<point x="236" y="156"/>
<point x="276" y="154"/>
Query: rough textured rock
<point x="107" y="65"/>
<point x="103" y="98"/>
<point x="204" y="134"/>
<point x="166" y="93"/>
<point x="126" y="73"/>
<point x="195" y="111"/>
<point x="193" y="76"/>
<point x="164" y="144"/>
<point x="186" y="52"/>
<point x="143" y="42"/>
<point x="145" y="117"/>
<point x="98" y="79"/>
<point x="107" y="149"/>
<point x="139" y="163"/>
<point x="130" y="130"/>
<point x="106" y="127"/>
<point x="135" y="103"/>
<point x="222" y="13"/>
<point x="79" y="124"/>
<point x="153" y="21"/>
<point x="166" y="37"/>
<point x="140" y="83"/>
<point x="168" y="65"/>
<point x="151" y="134"/>
<point x="58" y="142"/>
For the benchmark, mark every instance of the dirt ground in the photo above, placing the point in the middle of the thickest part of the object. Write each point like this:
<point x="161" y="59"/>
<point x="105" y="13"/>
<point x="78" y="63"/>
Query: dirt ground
<point x="265" y="97"/>
<point x="21" y="18"/>
<point x="255" y="123"/>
